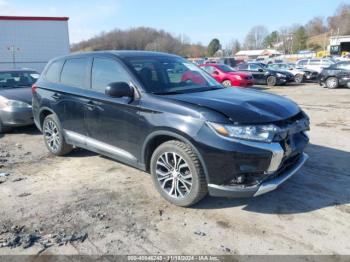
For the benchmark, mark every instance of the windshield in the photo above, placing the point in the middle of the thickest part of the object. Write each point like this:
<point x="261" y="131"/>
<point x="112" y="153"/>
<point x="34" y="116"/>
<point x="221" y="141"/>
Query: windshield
<point x="171" y="75"/>
<point x="17" y="79"/>
<point x="226" y="68"/>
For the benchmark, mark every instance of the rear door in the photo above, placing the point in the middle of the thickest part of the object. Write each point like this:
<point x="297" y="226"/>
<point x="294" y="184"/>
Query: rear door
<point x="69" y="101"/>
<point x="112" y="123"/>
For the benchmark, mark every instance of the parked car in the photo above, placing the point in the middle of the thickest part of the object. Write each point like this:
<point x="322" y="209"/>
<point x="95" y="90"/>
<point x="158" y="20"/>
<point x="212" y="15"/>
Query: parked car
<point x="337" y="75"/>
<point x="265" y="76"/>
<point x="16" y="98"/>
<point x="310" y="75"/>
<point x="230" y="61"/>
<point x="289" y="67"/>
<point x="229" y="76"/>
<point x="192" y="138"/>
<point x="315" y="64"/>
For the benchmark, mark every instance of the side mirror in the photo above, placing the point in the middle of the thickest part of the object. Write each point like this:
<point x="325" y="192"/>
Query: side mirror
<point x="119" y="89"/>
<point x="216" y="72"/>
<point x="261" y="70"/>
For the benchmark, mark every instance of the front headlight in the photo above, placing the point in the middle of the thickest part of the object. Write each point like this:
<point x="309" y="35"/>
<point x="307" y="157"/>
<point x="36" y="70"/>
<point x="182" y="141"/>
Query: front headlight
<point x="4" y="102"/>
<point x="281" y="75"/>
<point x="238" y="77"/>
<point x="261" y="133"/>
<point x="17" y="104"/>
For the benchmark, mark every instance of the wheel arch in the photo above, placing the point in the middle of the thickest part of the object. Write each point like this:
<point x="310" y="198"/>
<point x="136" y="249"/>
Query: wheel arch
<point x="158" y="137"/>
<point x="44" y="112"/>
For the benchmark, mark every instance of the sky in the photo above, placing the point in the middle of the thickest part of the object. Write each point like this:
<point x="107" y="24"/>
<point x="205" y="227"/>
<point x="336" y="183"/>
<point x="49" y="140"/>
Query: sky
<point x="198" y="20"/>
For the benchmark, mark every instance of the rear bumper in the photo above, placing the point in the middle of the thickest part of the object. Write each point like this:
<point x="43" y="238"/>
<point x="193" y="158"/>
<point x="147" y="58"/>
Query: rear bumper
<point x="264" y="187"/>
<point x="16" y="116"/>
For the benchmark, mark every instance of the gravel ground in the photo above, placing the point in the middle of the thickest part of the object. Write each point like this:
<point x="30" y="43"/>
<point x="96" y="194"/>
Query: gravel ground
<point x="88" y="204"/>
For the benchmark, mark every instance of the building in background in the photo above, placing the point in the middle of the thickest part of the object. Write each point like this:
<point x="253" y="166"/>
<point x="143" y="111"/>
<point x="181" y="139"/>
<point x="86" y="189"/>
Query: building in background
<point x="254" y="54"/>
<point x="30" y="42"/>
<point x="339" y="45"/>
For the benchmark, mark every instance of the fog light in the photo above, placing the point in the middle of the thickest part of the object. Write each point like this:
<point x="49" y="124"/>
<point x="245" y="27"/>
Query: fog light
<point x="238" y="180"/>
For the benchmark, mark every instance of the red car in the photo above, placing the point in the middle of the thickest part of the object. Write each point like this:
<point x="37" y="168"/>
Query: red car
<point x="229" y="76"/>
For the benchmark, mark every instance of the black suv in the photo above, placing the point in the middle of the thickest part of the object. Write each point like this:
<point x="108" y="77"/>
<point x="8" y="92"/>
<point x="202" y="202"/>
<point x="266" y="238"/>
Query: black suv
<point x="336" y="75"/>
<point x="266" y="76"/>
<point x="162" y="114"/>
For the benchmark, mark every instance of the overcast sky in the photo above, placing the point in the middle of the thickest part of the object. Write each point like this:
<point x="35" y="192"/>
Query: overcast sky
<point x="200" y="20"/>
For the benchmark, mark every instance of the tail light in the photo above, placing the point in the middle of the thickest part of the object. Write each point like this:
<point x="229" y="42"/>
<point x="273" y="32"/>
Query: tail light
<point x="34" y="88"/>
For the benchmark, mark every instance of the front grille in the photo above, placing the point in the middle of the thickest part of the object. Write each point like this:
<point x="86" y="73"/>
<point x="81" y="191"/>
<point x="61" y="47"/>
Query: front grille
<point x="248" y="77"/>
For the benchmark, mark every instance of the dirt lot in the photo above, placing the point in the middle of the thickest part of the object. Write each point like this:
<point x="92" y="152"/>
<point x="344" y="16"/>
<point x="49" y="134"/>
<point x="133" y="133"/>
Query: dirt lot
<point x="89" y="204"/>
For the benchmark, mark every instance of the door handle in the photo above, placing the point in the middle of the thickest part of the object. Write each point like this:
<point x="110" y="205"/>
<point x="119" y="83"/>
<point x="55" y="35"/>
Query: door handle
<point x="56" y="96"/>
<point x="90" y="105"/>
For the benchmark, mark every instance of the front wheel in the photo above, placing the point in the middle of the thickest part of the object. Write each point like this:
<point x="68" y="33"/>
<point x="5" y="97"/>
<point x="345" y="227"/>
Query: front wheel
<point x="271" y="81"/>
<point x="177" y="174"/>
<point x="4" y="129"/>
<point x="227" y="83"/>
<point x="332" y="82"/>
<point x="53" y="136"/>
<point x="299" y="78"/>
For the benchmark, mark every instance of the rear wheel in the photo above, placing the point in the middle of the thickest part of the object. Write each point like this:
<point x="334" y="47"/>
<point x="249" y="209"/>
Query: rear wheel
<point x="299" y="78"/>
<point x="332" y="82"/>
<point x="177" y="173"/>
<point x="53" y="136"/>
<point x="3" y="129"/>
<point x="271" y="81"/>
<point x="227" y="83"/>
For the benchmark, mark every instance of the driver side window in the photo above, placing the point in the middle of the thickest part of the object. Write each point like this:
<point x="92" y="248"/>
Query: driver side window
<point x="106" y="71"/>
<point x="254" y="67"/>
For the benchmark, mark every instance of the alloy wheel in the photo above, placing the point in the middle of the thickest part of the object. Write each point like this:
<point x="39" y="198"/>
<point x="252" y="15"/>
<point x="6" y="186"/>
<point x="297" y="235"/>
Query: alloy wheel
<point x="332" y="82"/>
<point x="174" y="175"/>
<point x="52" y="135"/>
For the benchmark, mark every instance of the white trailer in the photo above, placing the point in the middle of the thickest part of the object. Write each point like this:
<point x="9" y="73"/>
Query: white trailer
<point x="30" y="42"/>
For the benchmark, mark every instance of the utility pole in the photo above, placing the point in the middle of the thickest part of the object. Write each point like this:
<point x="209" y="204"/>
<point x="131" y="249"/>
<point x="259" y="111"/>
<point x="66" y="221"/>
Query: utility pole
<point x="13" y="49"/>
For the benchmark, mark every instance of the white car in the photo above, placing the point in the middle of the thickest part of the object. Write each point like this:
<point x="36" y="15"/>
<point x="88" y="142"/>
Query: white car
<point x="316" y="64"/>
<point x="289" y="67"/>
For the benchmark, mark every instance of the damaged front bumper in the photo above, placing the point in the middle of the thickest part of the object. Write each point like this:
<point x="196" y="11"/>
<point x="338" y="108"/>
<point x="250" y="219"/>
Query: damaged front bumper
<point x="270" y="184"/>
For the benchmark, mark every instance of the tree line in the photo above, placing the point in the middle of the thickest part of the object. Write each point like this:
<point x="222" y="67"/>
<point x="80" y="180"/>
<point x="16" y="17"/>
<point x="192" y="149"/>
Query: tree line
<point x="287" y="39"/>
<point x="297" y="37"/>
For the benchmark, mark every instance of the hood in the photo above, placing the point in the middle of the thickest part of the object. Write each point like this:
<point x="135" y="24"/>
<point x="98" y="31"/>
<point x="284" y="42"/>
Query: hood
<point x="243" y="106"/>
<point x="21" y="94"/>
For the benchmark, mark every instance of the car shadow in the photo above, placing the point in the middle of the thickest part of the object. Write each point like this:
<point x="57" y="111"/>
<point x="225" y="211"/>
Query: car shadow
<point x="324" y="181"/>
<point x="28" y="130"/>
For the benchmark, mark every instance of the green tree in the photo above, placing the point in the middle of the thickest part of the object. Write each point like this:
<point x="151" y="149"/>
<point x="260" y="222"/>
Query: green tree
<point x="213" y="46"/>
<point x="299" y="39"/>
<point x="271" y="39"/>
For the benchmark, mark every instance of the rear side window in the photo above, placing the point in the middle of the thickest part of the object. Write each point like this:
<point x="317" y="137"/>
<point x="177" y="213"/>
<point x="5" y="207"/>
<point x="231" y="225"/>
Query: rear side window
<point x="243" y="67"/>
<point x="75" y="72"/>
<point x="106" y="71"/>
<point x="302" y="62"/>
<point x="53" y="72"/>
<point x="315" y="62"/>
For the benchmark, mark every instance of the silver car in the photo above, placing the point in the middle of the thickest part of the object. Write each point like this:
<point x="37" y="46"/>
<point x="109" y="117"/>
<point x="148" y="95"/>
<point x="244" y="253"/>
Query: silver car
<point x="16" y="98"/>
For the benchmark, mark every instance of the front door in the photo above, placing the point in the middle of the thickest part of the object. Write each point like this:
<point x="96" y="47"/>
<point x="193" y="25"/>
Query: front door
<point x="112" y="123"/>
<point x="258" y="73"/>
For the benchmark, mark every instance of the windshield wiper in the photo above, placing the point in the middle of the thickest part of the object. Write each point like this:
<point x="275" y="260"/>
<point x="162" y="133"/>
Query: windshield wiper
<point x="167" y="93"/>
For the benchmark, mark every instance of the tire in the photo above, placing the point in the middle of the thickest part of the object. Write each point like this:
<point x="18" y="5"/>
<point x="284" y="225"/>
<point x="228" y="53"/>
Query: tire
<point x="53" y="136"/>
<point x="227" y="83"/>
<point x="332" y="82"/>
<point x="298" y="78"/>
<point x="271" y="81"/>
<point x="183" y="185"/>
<point x="3" y="129"/>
